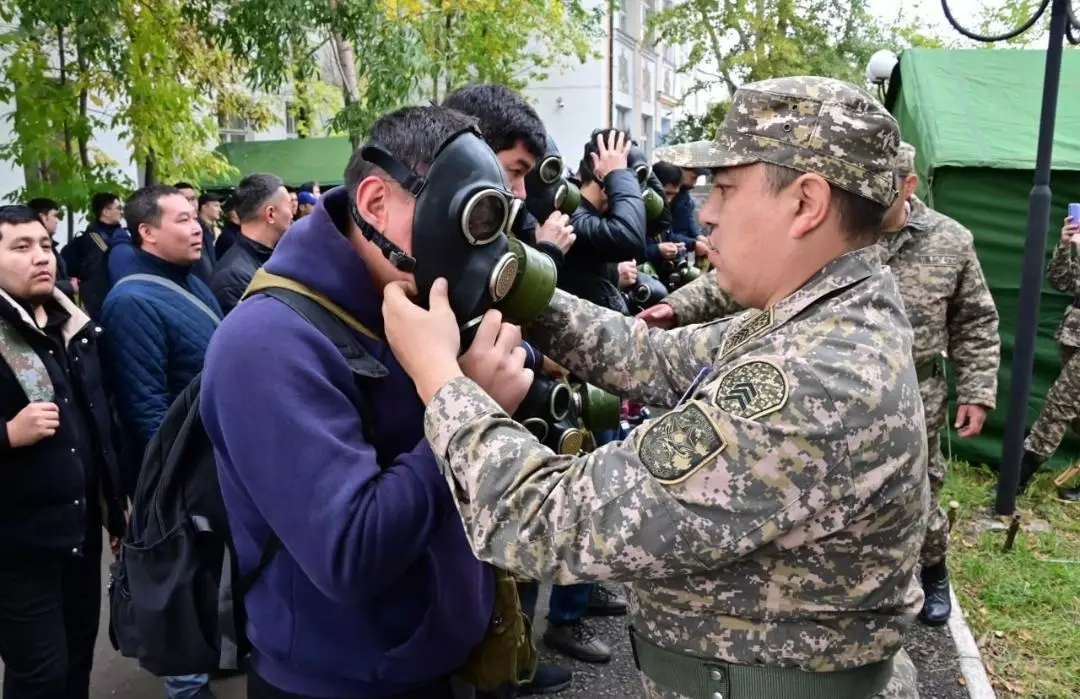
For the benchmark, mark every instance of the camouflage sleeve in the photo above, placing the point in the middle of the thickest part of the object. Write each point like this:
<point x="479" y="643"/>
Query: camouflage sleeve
<point x="974" y="343"/>
<point x="700" y="301"/>
<point x="703" y="485"/>
<point x="1063" y="272"/>
<point x="621" y="354"/>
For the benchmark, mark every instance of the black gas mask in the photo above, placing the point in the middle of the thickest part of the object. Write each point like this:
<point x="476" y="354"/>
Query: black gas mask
<point x="547" y="190"/>
<point x="464" y="210"/>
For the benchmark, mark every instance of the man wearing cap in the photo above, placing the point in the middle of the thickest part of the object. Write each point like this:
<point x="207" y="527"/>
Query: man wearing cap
<point x="305" y="204"/>
<point x="950" y="308"/>
<point x="769" y="525"/>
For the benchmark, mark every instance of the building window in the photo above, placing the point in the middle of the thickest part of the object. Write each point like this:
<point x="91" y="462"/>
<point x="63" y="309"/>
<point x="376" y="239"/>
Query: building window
<point x="233" y="129"/>
<point x="667" y="83"/>
<point x="646" y="85"/>
<point x="647" y="135"/>
<point x="290" y="118"/>
<point x="624" y="18"/>
<point x="648" y="9"/>
<point x="672" y="55"/>
<point x="624" y="74"/>
<point x="622" y="118"/>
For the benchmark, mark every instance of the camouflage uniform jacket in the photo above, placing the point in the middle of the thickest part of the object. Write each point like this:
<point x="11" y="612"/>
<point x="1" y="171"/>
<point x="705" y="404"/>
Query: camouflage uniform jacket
<point x="947" y="300"/>
<point x="1063" y="273"/>
<point x="701" y="300"/>
<point x="773" y="518"/>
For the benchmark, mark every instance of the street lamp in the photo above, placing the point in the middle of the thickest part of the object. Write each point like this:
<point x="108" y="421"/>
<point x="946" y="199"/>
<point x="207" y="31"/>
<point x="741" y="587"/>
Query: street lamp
<point x="880" y="68"/>
<point x="1063" y="25"/>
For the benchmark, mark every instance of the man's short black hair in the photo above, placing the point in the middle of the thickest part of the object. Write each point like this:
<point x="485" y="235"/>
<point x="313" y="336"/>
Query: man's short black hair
<point x="504" y="116"/>
<point x="290" y="189"/>
<point x="207" y="198"/>
<point x="16" y="215"/>
<point x="413" y="135"/>
<point x="861" y="218"/>
<point x="42" y="206"/>
<point x="184" y="185"/>
<point x="253" y="192"/>
<point x="308" y="187"/>
<point x="144" y="206"/>
<point x="668" y="173"/>
<point x="100" y="201"/>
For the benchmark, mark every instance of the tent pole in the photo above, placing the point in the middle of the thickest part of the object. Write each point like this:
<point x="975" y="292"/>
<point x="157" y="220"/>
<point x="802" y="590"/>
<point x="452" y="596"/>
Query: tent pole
<point x="1038" y="223"/>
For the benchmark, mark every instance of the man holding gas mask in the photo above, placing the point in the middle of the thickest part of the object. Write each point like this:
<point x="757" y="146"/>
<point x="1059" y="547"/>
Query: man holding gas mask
<point x="770" y="524"/>
<point x="375" y="591"/>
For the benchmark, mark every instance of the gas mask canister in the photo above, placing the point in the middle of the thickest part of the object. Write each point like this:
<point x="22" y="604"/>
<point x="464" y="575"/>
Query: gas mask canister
<point x="547" y="190"/>
<point x="639" y="164"/>
<point x="464" y="210"/>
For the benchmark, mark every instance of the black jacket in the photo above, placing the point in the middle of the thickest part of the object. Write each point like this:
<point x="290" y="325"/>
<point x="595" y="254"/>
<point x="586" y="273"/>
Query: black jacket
<point x="44" y="488"/>
<point x="605" y="240"/>
<point x="208" y="261"/>
<point x="235" y="270"/>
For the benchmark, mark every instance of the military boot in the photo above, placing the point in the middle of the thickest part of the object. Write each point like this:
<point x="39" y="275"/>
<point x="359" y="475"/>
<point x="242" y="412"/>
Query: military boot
<point x="577" y="641"/>
<point x="1029" y="466"/>
<point x="938" y="605"/>
<point x="1069" y="494"/>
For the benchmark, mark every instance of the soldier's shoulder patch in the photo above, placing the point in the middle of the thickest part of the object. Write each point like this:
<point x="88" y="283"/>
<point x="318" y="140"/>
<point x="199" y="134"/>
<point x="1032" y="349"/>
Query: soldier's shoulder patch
<point x="753" y="325"/>
<point x="938" y="260"/>
<point x="752" y="390"/>
<point x="680" y="442"/>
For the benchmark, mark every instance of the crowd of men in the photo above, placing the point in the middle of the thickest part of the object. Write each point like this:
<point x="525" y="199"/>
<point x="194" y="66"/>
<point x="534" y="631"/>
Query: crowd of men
<point x="777" y="525"/>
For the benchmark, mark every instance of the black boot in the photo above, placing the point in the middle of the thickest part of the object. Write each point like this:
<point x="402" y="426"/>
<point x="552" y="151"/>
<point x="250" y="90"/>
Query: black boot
<point x="937" y="606"/>
<point x="1069" y="494"/>
<point x="1029" y="466"/>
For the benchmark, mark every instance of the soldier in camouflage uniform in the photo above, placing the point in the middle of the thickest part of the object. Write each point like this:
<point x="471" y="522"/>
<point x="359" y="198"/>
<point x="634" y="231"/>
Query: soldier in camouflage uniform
<point x="770" y="524"/>
<point x="953" y="315"/>
<point x="1062" y="407"/>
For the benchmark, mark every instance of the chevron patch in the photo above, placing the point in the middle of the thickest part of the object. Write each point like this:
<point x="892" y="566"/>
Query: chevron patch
<point x="753" y="325"/>
<point x="752" y="390"/>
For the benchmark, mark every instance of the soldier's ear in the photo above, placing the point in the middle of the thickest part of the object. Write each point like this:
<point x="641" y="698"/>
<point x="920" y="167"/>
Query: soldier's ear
<point x="811" y="201"/>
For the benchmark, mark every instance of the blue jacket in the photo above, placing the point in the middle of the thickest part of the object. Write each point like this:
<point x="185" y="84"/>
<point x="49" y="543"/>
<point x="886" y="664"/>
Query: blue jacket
<point x="376" y="590"/>
<point x="684" y="225"/>
<point x="155" y="341"/>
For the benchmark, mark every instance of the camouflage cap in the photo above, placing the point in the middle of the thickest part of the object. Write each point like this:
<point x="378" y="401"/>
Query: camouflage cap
<point x="905" y="159"/>
<point x="806" y="123"/>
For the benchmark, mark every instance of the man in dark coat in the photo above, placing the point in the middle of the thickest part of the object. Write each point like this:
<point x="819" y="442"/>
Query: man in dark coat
<point x="59" y="482"/>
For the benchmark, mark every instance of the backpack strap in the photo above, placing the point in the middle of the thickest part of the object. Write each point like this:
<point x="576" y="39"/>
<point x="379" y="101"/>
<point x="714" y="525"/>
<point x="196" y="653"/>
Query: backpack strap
<point x="98" y="241"/>
<point x="170" y="284"/>
<point x="265" y="280"/>
<point x="25" y="363"/>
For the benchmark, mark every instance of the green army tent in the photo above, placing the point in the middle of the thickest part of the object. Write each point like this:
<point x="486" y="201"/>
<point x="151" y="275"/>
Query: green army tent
<point x="295" y="160"/>
<point x="973" y="115"/>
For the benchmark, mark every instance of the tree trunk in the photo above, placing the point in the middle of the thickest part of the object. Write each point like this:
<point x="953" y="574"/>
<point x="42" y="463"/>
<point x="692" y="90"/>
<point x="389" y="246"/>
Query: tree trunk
<point x="350" y="83"/>
<point x="84" y="149"/>
<point x="150" y="172"/>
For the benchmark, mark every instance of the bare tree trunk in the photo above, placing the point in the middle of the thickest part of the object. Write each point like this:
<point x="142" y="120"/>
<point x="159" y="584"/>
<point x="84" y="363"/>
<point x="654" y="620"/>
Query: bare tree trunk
<point x="150" y="173"/>
<point x="84" y="149"/>
<point x="350" y="83"/>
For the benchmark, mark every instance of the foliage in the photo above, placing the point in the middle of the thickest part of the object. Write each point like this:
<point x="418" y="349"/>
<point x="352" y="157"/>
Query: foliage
<point x="701" y="127"/>
<point x="740" y="41"/>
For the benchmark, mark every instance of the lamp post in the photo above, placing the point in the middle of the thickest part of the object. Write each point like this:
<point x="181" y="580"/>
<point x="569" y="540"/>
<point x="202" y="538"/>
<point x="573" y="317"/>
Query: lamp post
<point x="1063" y="25"/>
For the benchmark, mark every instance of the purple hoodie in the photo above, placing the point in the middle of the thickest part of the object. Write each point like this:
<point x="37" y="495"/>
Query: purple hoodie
<point x="376" y="591"/>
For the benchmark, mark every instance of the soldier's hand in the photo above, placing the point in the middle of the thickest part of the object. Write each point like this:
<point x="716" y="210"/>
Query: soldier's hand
<point x="1070" y="230"/>
<point x="611" y="156"/>
<point x="970" y="420"/>
<point x="659" y="316"/>
<point x="424" y="341"/>
<point x="34" y="423"/>
<point x="557" y="230"/>
<point x="496" y="362"/>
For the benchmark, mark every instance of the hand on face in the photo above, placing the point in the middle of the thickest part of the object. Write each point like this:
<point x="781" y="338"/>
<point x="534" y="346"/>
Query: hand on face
<point x="557" y="230"/>
<point x="425" y="342"/>
<point x="610" y="156"/>
<point x="496" y="362"/>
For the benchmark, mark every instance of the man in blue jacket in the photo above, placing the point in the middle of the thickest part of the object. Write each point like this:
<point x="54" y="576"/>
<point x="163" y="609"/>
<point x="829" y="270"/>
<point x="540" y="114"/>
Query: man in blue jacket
<point x="376" y="592"/>
<point x="158" y="322"/>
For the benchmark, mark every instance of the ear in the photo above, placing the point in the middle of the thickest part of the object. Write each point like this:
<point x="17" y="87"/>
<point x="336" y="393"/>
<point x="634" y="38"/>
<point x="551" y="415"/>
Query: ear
<point x="812" y="198"/>
<point x="911" y="183"/>
<point x="146" y="233"/>
<point x="372" y="200"/>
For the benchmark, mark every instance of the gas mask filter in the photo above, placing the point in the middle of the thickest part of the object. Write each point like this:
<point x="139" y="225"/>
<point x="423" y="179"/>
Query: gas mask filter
<point x="639" y="164"/>
<point x="464" y="210"/>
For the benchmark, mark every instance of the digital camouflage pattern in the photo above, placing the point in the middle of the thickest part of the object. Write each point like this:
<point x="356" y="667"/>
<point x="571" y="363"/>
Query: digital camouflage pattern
<point x="24" y="362"/>
<point x="785" y="526"/>
<point x="701" y="300"/>
<point x="1063" y="273"/>
<point x="950" y="308"/>
<point x="1060" y="410"/>
<point x="905" y="159"/>
<point x="810" y="124"/>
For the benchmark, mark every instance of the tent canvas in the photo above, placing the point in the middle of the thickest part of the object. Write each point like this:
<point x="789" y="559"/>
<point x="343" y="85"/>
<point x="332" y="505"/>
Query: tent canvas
<point x="973" y="115"/>
<point x="295" y="160"/>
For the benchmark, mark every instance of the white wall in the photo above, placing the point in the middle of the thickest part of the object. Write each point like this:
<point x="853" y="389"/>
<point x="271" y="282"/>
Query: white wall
<point x="571" y="104"/>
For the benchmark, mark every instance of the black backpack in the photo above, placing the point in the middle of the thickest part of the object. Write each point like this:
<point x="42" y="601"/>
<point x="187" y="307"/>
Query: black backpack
<point x="94" y="283"/>
<point x="175" y="595"/>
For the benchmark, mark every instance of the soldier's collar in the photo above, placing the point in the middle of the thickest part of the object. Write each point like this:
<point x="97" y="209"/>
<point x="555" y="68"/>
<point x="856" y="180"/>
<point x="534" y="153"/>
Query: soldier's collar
<point x="918" y="217"/>
<point x="846" y="270"/>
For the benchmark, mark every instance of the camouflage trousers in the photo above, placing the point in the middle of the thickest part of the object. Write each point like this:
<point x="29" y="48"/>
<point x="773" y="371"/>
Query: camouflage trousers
<point x="935" y="396"/>
<point x="903" y="685"/>
<point x="1062" y="408"/>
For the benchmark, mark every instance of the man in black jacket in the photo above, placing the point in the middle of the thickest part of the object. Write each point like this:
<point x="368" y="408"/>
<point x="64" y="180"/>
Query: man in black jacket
<point x="60" y="480"/>
<point x="609" y="225"/>
<point x="264" y="208"/>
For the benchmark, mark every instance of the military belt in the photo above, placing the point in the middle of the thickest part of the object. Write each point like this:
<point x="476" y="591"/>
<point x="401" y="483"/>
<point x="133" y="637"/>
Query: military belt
<point x="701" y="678"/>
<point x="928" y="369"/>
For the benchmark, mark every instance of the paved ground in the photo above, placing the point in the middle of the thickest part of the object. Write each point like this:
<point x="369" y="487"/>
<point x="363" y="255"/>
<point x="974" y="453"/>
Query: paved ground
<point x="116" y="677"/>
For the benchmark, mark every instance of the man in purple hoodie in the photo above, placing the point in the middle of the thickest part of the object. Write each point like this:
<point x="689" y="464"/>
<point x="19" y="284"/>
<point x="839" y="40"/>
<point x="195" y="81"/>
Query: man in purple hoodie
<point x="375" y="592"/>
